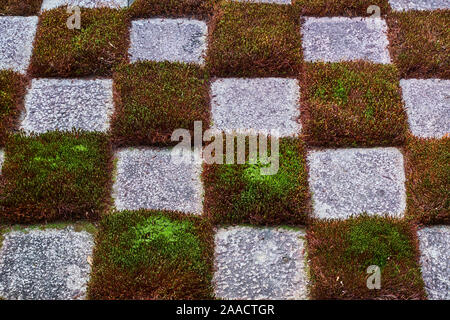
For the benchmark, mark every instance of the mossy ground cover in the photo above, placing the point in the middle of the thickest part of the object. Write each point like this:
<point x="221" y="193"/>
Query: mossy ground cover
<point x="419" y="42"/>
<point x="428" y="180"/>
<point x="251" y="39"/>
<point x="12" y="91"/>
<point x="99" y="45"/>
<point x="155" y="98"/>
<point x="341" y="251"/>
<point x="238" y="193"/>
<point x="357" y="8"/>
<point x="55" y="176"/>
<point x="352" y="104"/>
<point x="152" y="255"/>
<point x="20" y="7"/>
<point x="172" y="8"/>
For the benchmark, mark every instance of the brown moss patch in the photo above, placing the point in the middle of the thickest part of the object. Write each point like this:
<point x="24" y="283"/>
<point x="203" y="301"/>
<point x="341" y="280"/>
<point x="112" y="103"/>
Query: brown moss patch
<point x="350" y="8"/>
<point x="20" y="7"/>
<point x="172" y="8"/>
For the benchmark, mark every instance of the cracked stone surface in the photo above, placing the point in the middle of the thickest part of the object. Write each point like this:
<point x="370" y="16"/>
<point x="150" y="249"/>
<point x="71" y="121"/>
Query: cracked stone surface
<point x="182" y="40"/>
<point x="63" y="104"/>
<point x="16" y="42"/>
<point x="150" y="179"/>
<point x="427" y="103"/>
<point x="338" y="39"/>
<point x="45" y="264"/>
<point x="347" y="182"/>
<point x="51" y="4"/>
<point x="258" y="105"/>
<point x="435" y="260"/>
<point x="260" y="263"/>
<point x="402" y="5"/>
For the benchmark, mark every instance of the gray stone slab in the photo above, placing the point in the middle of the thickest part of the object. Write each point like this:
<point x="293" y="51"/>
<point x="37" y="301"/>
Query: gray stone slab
<point x="260" y="263"/>
<point x="435" y="260"/>
<point x="150" y="179"/>
<point x="63" y="104"/>
<point x="338" y="39"/>
<point x="347" y="182"/>
<point x="16" y="42"/>
<point x="403" y="5"/>
<point x="256" y="105"/>
<point x="2" y="159"/>
<point x="427" y="103"/>
<point x="267" y="1"/>
<point x="51" y="4"/>
<point x="182" y="40"/>
<point x="45" y="264"/>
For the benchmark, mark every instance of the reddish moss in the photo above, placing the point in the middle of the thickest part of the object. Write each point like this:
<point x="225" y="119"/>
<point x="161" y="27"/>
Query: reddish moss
<point x="20" y="7"/>
<point x="332" y="8"/>
<point x="248" y="39"/>
<point x="172" y="8"/>
<point x="352" y="104"/>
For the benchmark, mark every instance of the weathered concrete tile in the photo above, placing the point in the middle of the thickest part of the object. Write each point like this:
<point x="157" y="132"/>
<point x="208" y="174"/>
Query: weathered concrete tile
<point x="435" y="260"/>
<point x="45" y="264"/>
<point x="345" y="39"/>
<point x="182" y="40"/>
<point x="63" y="104"/>
<point x="149" y="179"/>
<point x="427" y="104"/>
<point x="258" y="105"/>
<point x="347" y="182"/>
<point x="260" y="263"/>
<point x="51" y="4"/>
<point x="16" y="42"/>
<point x="402" y="5"/>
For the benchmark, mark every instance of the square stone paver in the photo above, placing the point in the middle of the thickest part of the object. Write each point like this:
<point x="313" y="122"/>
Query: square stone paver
<point x="338" y="39"/>
<point x="182" y="40"/>
<point x="51" y="4"/>
<point x="63" y="104"/>
<point x="45" y="264"/>
<point x="347" y="182"/>
<point x="2" y="159"/>
<point x="260" y="263"/>
<point x="402" y="5"/>
<point x="258" y="105"/>
<point x="150" y="179"/>
<point x="427" y="104"/>
<point x="435" y="260"/>
<point x="16" y="42"/>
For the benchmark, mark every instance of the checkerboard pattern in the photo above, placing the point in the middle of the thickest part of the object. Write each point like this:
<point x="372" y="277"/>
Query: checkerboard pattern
<point x="368" y="105"/>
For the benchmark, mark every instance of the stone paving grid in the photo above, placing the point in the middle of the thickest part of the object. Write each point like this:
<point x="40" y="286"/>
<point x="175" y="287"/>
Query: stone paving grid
<point x="149" y="179"/>
<point x="45" y="264"/>
<point x="253" y="263"/>
<point x="51" y="4"/>
<point x="16" y="41"/>
<point x="405" y="5"/>
<point x="63" y="104"/>
<point x="427" y="104"/>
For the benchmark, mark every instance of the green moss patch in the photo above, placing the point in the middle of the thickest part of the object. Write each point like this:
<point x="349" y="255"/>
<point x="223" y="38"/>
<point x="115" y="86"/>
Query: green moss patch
<point x="152" y="255"/>
<point x="20" y="7"/>
<point x="238" y="193"/>
<point x="428" y="180"/>
<point x="172" y="8"/>
<point x="331" y="8"/>
<point x="155" y="98"/>
<point x="12" y="91"/>
<point x="352" y="104"/>
<point x="419" y="42"/>
<point x="94" y="49"/>
<point x="341" y="251"/>
<point x="248" y="39"/>
<point x="55" y="176"/>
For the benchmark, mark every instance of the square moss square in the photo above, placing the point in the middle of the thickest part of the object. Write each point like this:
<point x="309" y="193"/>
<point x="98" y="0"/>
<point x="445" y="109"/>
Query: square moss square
<point x="352" y="104"/>
<point x="419" y="42"/>
<point x="364" y="258"/>
<point x="20" y="7"/>
<point x="239" y="193"/>
<point x="201" y="9"/>
<point x="55" y="176"/>
<point x="334" y="8"/>
<point x="427" y="180"/>
<point x="155" y="98"/>
<point x="153" y="255"/>
<point x="12" y="91"/>
<point x="254" y="40"/>
<point x="95" y="49"/>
